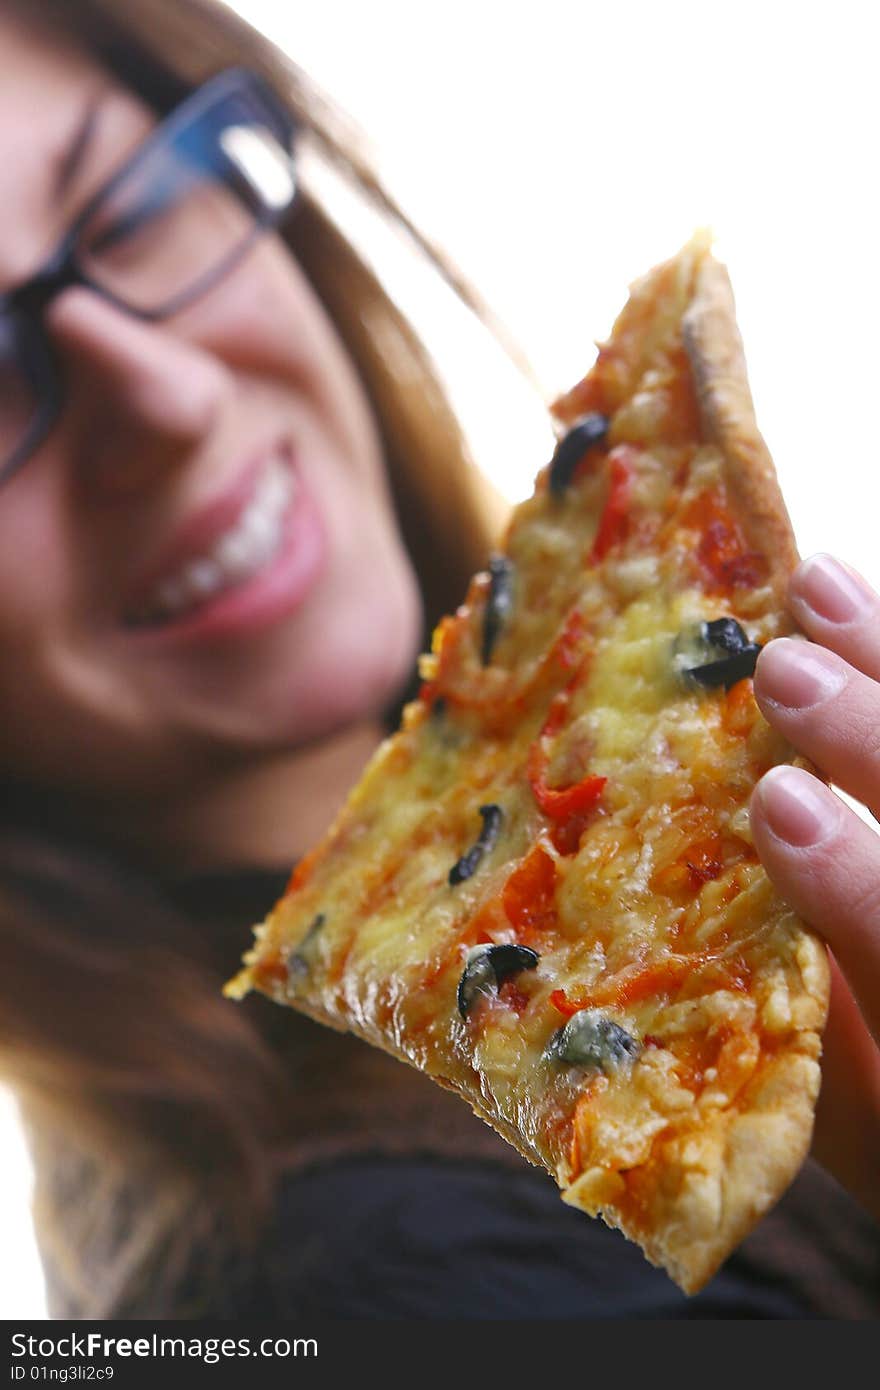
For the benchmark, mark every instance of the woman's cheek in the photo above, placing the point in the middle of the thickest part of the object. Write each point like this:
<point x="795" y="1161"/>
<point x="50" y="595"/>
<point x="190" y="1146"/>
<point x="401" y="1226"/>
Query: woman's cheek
<point x="35" y="566"/>
<point x="276" y="329"/>
<point x="364" y="639"/>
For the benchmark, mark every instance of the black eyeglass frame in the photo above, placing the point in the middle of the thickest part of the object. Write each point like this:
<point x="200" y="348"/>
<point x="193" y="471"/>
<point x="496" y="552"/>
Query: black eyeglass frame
<point x="25" y="305"/>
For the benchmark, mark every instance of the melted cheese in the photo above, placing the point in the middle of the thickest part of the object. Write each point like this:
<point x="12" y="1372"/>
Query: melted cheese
<point x="661" y="872"/>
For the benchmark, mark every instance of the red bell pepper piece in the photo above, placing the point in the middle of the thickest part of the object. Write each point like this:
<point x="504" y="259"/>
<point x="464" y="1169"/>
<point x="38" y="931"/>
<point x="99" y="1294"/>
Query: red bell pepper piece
<point x="613" y="522"/>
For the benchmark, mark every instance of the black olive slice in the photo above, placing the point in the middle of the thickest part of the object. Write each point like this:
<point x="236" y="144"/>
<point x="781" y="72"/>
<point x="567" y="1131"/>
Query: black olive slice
<point x="298" y="959"/>
<point x="726" y="635"/>
<point x="493" y="817"/>
<point x="590" y="1039"/>
<point x="488" y="967"/>
<point x="729" y="670"/>
<point x="715" y="653"/>
<point x="498" y="604"/>
<point x="584" y="434"/>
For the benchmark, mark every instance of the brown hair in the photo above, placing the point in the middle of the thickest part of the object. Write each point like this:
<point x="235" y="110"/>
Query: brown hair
<point x="146" y="1096"/>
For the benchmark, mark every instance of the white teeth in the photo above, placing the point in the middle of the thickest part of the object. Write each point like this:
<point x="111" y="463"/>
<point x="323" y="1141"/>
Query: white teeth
<point x="232" y="553"/>
<point x="203" y="577"/>
<point x="260" y="528"/>
<point x="241" y="552"/>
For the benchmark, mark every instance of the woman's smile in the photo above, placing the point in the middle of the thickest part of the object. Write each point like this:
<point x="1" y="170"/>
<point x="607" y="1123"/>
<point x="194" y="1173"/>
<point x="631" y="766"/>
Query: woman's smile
<point x="248" y="558"/>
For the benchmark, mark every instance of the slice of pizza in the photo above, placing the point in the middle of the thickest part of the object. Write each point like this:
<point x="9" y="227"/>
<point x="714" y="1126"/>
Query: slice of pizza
<point x="544" y="892"/>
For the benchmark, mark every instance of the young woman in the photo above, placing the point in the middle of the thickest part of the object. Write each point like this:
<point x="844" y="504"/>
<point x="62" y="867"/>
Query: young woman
<point x="233" y="494"/>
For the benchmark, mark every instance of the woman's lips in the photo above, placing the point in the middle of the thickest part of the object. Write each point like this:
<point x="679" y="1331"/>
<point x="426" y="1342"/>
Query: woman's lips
<point x="199" y="534"/>
<point x="254" y="571"/>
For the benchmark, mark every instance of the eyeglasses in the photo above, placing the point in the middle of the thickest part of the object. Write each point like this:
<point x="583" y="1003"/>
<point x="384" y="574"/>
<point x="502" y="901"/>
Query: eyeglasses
<point x="161" y="232"/>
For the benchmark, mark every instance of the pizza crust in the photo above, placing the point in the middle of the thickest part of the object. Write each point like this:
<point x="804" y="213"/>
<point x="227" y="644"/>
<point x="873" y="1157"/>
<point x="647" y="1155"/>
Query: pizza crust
<point x="715" y="351"/>
<point x="721" y="1180"/>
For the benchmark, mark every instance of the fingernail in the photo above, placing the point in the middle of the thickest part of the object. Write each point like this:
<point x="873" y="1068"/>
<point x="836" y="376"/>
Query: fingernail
<point x="797" y="807"/>
<point x="832" y="591"/>
<point x="798" y="674"/>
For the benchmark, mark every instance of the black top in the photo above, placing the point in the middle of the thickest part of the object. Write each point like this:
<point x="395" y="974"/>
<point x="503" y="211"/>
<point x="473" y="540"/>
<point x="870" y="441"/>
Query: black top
<point x="422" y="1235"/>
<point x="426" y="1237"/>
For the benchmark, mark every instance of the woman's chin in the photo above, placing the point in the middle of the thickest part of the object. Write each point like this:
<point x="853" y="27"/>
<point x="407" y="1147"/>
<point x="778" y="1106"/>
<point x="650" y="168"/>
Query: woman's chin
<point x="359" y="672"/>
<point x="362" y="661"/>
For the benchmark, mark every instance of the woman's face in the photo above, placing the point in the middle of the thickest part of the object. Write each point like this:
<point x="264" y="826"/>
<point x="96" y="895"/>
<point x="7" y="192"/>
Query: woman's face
<point x="144" y="633"/>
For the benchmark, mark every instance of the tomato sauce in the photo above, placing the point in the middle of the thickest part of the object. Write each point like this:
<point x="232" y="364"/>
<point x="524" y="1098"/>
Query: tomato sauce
<point x="722" y="560"/>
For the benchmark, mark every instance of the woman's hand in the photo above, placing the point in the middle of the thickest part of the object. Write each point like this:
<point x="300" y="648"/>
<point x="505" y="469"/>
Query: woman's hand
<point x="824" y="696"/>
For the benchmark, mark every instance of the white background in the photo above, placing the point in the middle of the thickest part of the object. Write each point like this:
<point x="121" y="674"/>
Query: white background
<point x="558" y="149"/>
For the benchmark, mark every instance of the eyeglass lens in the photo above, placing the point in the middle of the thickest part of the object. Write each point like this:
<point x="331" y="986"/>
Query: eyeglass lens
<point x="186" y="210"/>
<point x="181" y="214"/>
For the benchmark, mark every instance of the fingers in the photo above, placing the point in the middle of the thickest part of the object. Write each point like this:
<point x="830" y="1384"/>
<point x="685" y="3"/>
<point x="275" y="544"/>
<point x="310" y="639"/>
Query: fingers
<point x="846" y="1139"/>
<point x="825" y="862"/>
<point x="827" y="709"/>
<point x="824" y="696"/>
<point x="836" y="606"/>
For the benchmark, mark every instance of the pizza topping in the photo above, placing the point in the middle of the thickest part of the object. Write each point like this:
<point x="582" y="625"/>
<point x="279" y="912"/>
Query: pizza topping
<point x="590" y="1039"/>
<point x="498" y="604"/>
<point x="493" y="817"/>
<point x="584" y="434"/>
<point x="529" y="895"/>
<point x="559" y="804"/>
<point x="722" y="556"/>
<point x="728" y="671"/>
<point x="298" y="960"/>
<point x="614" y="521"/>
<point x="487" y="968"/>
<point x="726" y="634"/>
<point x="733" y="656"/>
<point x="562" y="804"/>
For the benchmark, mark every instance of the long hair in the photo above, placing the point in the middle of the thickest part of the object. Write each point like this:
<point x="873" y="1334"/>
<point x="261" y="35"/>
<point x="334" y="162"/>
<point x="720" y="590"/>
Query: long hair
<point x="153" y="1107"/>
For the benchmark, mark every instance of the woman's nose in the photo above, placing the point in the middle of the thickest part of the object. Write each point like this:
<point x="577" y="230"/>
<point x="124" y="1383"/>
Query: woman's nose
<point x="150" y="395"/>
